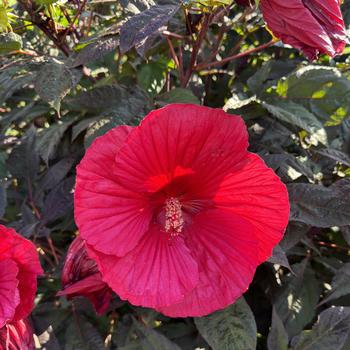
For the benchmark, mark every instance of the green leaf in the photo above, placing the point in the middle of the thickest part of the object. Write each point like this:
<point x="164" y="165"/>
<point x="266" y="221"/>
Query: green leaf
<point x="296" y="302"/>
<point x="3" y="167"/>
<point x="137" y="6"/>
<point x="278" y="337"/>
<point x="47" y="339"/>
<point x="99" y="128"/>
<point x="56" y="173"/>
<point x="335" y="155"/>
<point x="346" y="11"/>
<point x="82" y="335"/>
<point x="345" y="230"/>
<point x="154" y="340"/>
<point x="27" y="113"/>
<point x="4" y="20"/>
<point x="24" y="161"/>
<point x="112" y="101"/>
<point x="267" y="75"/>
<point x="11" y="82"/>
<point x="329" y="333"/>
<point x="305" y="81"/>
<point x="45" y="2"/>
<point x="233" y="328"/>
<point x="177" y="95"/>
<point x="211" y="3"/>
<point x="59" y="201"/>
<point x="340" y="284"/>
<point x="297" y="115"/>
<point x="94" y="51"/>
<point x="294" y="233"/>
<point x="10" y="42"/>
<point x="54" y="80"/>
<point x="287" y="166"/>
<point x="141" y="30"/>
<point x="324" y="91"/>
<point x="248" y="108"/>
<point x="3" y="200"/>
<point x="151" y="77"/>
<point x="320" y="206"/>
<point x="50" y="138"/>
<point x="279" y="257"/>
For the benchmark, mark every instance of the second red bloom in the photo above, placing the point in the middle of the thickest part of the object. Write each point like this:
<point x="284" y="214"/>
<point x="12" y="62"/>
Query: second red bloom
<point x="313" y="26"/>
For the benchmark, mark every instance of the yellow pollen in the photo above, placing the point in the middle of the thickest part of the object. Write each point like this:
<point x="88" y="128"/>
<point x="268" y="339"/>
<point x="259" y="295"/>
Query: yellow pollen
<point x="173" y="217"/>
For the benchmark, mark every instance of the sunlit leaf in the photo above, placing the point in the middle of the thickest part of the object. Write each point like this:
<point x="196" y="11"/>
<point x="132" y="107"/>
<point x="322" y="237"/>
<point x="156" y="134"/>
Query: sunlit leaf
<point x="10" y="42"/>
<point x="54" y="81"/>
<point x="141" y="30"/>
<point x="330" y="332"/>
<point x="298" y="298"/>
<point x="231" y="328"/>
<point x="278" y="337"/>
<point x="320" y="206"/>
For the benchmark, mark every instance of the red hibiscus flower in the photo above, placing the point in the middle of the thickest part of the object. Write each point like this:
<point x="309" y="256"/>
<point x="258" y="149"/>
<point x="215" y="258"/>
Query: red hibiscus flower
<point x="81" y="277"/>
<point x="17" y="336"/>
<point x="19" y="268"/>
<point x="313" y="26"/>
<point x="176" y="212"/>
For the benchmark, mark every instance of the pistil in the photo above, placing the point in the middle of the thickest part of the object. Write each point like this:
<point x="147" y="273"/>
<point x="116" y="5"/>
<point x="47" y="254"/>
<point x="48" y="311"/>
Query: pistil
<point x="174" y="221"/>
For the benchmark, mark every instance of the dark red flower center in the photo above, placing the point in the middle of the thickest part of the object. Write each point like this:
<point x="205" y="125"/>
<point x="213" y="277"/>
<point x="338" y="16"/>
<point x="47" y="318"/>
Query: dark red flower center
<point x="176" y="203"/>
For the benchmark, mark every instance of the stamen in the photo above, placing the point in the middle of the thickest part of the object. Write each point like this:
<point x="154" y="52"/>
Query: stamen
<point x="174" y="221"/>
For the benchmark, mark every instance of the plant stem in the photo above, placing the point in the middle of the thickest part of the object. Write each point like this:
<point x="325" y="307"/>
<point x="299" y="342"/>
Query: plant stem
<point x="53" y="251"/>
<point x="172" y="51"/>
<point x="174" y="35"/>
<point x="43" y="25"/>
<point x="176" y="59"/>
<point x="234" y="57"/>
<point x="195" y="49"/>
<point x="76" y="17"/>
<point x="216" y="48"/>
<point x="332" y="245"/>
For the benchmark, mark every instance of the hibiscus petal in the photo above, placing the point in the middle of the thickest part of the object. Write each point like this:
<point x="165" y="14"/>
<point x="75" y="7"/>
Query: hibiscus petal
<point x="257" y="194"/>
<point x="23" y="251"/>
<point x="225" y="249"/>
<point x="9" y="298"/>
<point x="101" y="299"/>
<point x="78" y="265"/>
<point x="295" y="25"/>
<point x="88" y="284"/>
<point x="92" y="288"/>
<point x="27" y="290"/>
<point x="328" y="13"/>
<point x="102" y="206"/>
<point x="158" y="272"/>
<point x="17" y="335"/>
<point x="24" y="254"/>
<point x="179" y="140"/>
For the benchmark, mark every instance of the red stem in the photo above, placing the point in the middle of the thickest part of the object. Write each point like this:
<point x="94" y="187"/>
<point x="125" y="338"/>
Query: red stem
<point x="195" y="49"/>
<point x="44" y="25"/>
<point x="176" y="59"/>
<point x="71" y="25"/>
<point x="234" y="57"/>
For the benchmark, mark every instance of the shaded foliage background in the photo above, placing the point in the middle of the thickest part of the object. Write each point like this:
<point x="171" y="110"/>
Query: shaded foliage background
<point x="72" y="70"/>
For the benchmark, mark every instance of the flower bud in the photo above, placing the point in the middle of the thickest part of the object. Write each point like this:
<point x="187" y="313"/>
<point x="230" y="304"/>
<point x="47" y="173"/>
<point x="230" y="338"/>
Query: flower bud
<point x="81" y="277"/>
